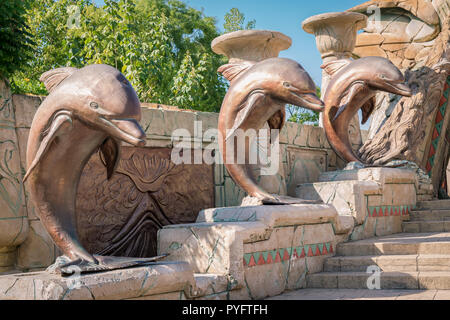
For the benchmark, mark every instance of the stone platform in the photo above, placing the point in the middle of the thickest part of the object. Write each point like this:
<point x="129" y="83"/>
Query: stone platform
<point x="255" y="252"/>
<point x="169" y="280"/>
<point x="378" y="199"/>
<point x="261" y="250"/>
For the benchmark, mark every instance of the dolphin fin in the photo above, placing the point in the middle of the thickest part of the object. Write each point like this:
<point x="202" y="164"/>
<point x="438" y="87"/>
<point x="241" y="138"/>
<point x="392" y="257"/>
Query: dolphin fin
<point x="54" y="77"/>
<point x="232" y="70"/>
<point x="333" y="67"/>
<point x="355" y="89"/>
<point x="110" y="155"/>
<point x="61" y="123"/>
<point x="277" y="120"/>
<point x="246" y="108"/>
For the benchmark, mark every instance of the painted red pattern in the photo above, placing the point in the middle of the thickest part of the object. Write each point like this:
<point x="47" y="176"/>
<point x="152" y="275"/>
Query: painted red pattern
<point x="284" y="254"/>
<point x="438" y="120"/>
<point x="386" y="211"/>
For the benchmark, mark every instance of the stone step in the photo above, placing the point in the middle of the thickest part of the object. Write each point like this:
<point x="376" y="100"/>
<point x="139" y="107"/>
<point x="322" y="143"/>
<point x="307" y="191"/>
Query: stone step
<point x="363" y="294"/>
<point x="413" y="262"/>
<point x="439" y="280"/>
<point x="426" y="226"/>
<point x="398" y="244"/>
<point x="430" y="215"/>
<point x="434" y="204"/>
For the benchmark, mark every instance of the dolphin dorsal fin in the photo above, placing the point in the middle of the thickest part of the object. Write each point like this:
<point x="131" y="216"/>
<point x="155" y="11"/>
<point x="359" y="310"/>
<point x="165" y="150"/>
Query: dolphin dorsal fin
<point x="54" y="77"/>
<point x="333" y="67"/>
<point x="231" y="70"/>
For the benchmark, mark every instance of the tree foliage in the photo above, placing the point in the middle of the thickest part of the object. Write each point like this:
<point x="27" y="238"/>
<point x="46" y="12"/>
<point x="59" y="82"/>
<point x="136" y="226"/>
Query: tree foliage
<point x="162" y="47"/>
<point x="302" y="115"/>
<point x="235" y="20"/>
<point x="15" y="39"/>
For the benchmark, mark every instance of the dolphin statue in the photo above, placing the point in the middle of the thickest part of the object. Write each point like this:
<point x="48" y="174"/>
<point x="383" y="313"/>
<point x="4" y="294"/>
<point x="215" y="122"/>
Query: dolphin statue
<point x="353" y="86"/>
<point x="258" y="94"/>
<point x="87" y="109"/>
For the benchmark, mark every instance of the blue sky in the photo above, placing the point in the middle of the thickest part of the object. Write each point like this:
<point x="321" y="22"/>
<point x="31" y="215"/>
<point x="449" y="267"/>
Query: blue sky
<point x="285" y="16"/>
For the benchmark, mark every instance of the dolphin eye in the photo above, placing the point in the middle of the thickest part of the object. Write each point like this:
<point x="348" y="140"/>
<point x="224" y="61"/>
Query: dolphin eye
<point x="286" y="84"/>
<point x="382" y="76"/>
<point x="93" y="105"/>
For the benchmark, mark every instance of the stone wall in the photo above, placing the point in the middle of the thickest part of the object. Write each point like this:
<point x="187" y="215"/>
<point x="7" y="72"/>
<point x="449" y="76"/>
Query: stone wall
<point x="305" y="154"/>
<point x="415" y="36"/>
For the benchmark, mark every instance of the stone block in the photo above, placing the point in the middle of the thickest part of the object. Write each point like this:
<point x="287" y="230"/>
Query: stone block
<point x="320" y="233"/>
<point x="305" y="165"/>
<point x="324" y="280"/>
<point x="7" y="258"/>
<point x="174" y="120"/>
<point x="38" y="250"/>
<point x="209" y="284"/>
<point x="25" y="106"/>
<point x="219" y="196"/>
<point x="439" y="280"/>
<point x="267" y="280"/>
<point x="315" y="137"/>
<point x="155" y="279"/>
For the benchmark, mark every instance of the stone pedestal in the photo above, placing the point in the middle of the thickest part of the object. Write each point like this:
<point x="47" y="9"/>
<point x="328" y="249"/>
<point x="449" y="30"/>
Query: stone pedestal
<point x="171" y="280"/>
<point x="335" y="34"/>
<point x="246" y="46"/>
<point x="250" y="45"/>
<point x="261" y="250"/>
<point x="378" y="199"/>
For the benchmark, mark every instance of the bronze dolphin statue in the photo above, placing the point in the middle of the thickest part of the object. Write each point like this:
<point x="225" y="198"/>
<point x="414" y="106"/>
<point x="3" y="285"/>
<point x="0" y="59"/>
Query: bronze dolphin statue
<point x="87" y="109"/>
<point x="258" y="94"/>
<point x="353" y="86"/>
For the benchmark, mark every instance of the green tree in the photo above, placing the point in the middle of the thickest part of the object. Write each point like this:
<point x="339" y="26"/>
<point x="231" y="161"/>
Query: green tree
<point x="235" y="20"/>
<point x="15" y="39"/>
<point x="162" y="47"/>
<point x="302" y="115"/>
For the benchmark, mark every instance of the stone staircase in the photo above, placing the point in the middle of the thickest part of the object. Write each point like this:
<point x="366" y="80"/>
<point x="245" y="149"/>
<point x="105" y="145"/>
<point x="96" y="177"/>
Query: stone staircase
<point x="418" y="258"/>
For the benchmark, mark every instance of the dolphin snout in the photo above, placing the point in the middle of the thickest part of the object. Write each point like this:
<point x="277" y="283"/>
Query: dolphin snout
<point x="307" y="100"/>
<point x="127" y="130"/>
<point x="402" y="89"/>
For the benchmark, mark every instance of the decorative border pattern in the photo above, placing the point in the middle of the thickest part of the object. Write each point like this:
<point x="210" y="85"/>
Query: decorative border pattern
<point x="386" y="211"/>
<point x="283" y="254"/>
<point x="438" y="123"/>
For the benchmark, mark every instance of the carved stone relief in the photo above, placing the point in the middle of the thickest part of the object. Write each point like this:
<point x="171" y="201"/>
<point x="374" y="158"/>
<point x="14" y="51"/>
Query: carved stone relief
<point x="121" y="217"/>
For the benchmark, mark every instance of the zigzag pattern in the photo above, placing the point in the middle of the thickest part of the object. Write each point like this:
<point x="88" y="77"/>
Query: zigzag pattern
<point x="386" y="211"/>
<point x="283" y="254"/>
<point x="438" y="123"/>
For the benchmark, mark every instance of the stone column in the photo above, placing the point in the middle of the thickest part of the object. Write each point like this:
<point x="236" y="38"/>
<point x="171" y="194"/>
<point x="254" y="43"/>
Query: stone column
<point x="13" y="213"/>
<point x="254" y="46"/>
<point x="335" y="34"/>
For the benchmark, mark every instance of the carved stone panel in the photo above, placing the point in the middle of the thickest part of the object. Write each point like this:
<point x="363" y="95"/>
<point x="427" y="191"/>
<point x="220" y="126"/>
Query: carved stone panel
<point x="121" y="217"/>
